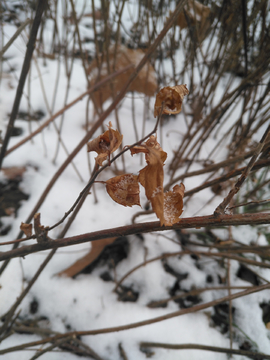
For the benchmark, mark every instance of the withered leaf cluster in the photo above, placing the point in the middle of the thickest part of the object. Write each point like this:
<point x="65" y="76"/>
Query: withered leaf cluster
<point x="124" y="189"/>
<point x="167" y="206"/>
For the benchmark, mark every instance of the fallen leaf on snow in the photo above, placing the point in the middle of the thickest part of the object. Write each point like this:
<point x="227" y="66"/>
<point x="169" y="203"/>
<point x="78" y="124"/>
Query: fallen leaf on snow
<point x="82" y="263"/>
<point x="195" y="14"/>
<point x="119" y="58"/>
<point x="14" y="172"/>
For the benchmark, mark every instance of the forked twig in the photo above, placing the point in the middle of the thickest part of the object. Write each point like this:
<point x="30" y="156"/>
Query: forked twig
<point x="222" y="206"/>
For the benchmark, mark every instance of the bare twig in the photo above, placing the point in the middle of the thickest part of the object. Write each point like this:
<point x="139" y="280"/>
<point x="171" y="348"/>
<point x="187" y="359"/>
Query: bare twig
<point x="158" y="303"/>
<point x="251" y="354"/>
<point x="221" y="207"/>
<point x="211" y="168"/>
<point x="14" y="37"/>
<point x="258" y="165"/>
<point x="26" y="64"/>
<point x="9" y="315"/>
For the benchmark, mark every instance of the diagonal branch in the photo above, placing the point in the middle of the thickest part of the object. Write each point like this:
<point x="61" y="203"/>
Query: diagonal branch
<point x="26" y="65"/>
<point x="222" y="206"/>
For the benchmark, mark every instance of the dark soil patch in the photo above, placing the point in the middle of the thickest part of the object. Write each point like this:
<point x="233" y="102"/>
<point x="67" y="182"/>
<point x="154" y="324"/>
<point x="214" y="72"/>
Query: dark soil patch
<point x="10" y="197"/>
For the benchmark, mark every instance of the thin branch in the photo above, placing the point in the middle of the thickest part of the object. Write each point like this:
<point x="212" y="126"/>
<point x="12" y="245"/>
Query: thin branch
<point x="140" y="323"/>
<point x="159" y="303"/>
<point x="259" y="202"/>
<point x="14" y="37"/>
<point x="212" y="168"/>
<point x="198" y="253"/>
<point x="185" y="223"/>
<point x="221" y="207"/>
<point x="39" y="353"/>
<point x="68" y="106"/>
<point x="258" y="165"/>
<point x="12" y="310"/>
<point x="251" y="354"/>
<point x="244" y="20"/>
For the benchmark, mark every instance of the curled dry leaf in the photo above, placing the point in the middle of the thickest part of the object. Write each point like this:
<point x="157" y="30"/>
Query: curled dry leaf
<point x="26" y="228"/>
<point x="96" y="249"/>
<point x="153" y="143"/>
<point x="172" y="97"/>
<point x="169" y="206"/>
<point x="151" y="177"/>
<point x="150" y="143"/>
<point x="173" y="204"/>
<point x="124" y="189"/>
<point x="105" y="144"/>
<point x="118" y="58"/>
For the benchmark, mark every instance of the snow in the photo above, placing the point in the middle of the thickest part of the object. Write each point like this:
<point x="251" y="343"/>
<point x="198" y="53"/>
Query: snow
<point x="87" y="302"/>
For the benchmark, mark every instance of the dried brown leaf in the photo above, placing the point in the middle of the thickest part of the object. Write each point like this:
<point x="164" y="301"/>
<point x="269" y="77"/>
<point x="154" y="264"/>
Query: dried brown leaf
<point x="153" y="143"/>
<point x="195" y="14"/>
<point x="172" y="97"/>
<point x="14" y="172"/>
<point x="118" y="59"/>
<point x="173" y="204"/>
<point x="150" y="143"/>
<point x="105" y="144"/>
<point x="124" y="189"/>
<point x="26" y="228"/>
<point x="138" y="149"/>
<point x="151" y="178"/>
<point x="82" y="263"/>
